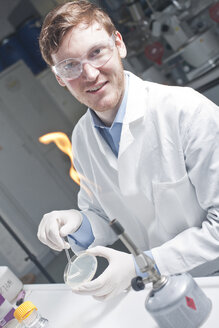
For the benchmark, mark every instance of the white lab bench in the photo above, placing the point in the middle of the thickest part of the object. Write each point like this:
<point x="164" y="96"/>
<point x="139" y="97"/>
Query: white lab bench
<point x="65" y="309"/>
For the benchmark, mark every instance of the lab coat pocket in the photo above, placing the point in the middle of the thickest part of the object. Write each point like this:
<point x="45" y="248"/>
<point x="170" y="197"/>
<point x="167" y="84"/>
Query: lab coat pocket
<point x="176" y="205"/>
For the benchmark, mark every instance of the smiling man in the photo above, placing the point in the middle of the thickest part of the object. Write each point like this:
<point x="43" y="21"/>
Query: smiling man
<point x="150" y="150"/>
<point x="100" y="84"/>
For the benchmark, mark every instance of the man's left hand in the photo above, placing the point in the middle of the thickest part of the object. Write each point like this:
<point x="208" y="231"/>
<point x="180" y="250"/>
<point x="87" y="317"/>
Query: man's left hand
<point x="116" y="277"/>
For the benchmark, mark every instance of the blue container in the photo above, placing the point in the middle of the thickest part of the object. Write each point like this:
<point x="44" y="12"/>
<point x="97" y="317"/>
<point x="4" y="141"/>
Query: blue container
<point x="11" y="51"/>
<point x="1" y="66"/>
<point x="28" y="35"/>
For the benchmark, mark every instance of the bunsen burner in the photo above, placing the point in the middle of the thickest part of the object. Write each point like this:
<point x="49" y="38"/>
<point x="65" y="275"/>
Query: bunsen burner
<point x="28" y="34"/>
<point x="11" y="51"/>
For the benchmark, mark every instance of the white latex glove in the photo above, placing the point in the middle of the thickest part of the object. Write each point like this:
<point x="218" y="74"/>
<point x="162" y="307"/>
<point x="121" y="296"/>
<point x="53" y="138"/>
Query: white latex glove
<point x="56" y="225"/>
<point x="116" y="277"/>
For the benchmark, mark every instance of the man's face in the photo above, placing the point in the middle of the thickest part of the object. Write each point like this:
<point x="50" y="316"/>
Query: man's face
<point x="110" y="77"/>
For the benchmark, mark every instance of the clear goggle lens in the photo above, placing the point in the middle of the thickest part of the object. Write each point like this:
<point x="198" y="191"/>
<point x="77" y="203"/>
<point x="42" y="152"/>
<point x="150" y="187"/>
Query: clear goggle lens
<point x="98" y="56"/>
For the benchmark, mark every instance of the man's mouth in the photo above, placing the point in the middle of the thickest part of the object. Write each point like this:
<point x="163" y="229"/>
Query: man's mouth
<point x="97" y="88"/>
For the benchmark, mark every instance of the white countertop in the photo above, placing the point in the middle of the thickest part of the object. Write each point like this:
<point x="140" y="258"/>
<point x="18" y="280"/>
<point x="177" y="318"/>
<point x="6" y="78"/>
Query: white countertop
<point x="65" y="309"/>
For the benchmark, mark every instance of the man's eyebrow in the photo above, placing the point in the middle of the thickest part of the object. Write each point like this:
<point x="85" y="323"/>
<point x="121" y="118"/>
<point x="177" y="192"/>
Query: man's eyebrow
<point x="98" y="43"/>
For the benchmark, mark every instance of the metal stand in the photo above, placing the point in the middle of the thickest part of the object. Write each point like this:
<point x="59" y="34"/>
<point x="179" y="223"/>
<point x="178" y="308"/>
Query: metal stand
<point x="31" y="256"/>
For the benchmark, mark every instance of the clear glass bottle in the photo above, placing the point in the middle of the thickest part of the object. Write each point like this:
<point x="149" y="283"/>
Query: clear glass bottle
<point x="12" y="324"/>
<point x="28" y="315"/>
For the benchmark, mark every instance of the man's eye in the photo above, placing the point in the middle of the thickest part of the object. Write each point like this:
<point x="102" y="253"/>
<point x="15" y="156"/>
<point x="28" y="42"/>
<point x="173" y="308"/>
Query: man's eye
<point x="70" y="65"/>
<point x="96" y="52"/>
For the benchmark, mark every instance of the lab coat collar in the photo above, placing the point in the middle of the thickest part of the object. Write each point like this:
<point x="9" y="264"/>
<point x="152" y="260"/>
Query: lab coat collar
<point x="103" y="146"/>
<point x="135" y="110"/>
<point x="135" y="107"/>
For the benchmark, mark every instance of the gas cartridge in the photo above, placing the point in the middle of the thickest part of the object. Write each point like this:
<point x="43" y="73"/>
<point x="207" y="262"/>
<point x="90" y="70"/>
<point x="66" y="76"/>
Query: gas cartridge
<point x="179" y="303"/>
<point x="175" y="301"/>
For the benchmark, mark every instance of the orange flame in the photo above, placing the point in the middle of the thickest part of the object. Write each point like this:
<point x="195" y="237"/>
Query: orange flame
<point x="63" y="143"/>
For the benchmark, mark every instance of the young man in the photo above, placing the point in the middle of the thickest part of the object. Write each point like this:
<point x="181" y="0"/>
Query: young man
<point x="151" y="152"/>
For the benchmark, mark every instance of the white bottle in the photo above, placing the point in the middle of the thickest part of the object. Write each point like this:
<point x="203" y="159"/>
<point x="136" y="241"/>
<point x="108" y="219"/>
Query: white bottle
<point x="28" y="315"/>
<point x="7" y="319"/>
<point x="10" y="285"/>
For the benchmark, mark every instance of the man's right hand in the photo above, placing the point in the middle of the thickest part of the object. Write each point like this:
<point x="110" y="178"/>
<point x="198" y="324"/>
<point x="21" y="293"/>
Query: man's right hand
<point x="56" y="225"/>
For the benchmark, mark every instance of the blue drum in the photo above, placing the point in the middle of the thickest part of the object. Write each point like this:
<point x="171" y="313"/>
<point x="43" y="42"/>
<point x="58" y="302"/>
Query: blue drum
<point x="11" y="51"/>
<point x="1" y="66"/>
<point x="28" y="35"/>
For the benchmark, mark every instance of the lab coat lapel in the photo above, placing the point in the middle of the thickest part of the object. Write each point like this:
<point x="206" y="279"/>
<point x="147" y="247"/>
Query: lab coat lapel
<point x="135" y="111"/>
<point x="105" y="149"/>
<point x="126" y="139"/>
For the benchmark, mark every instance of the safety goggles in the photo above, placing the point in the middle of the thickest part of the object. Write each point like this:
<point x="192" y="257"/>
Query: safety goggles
<point x="98" y="55"/>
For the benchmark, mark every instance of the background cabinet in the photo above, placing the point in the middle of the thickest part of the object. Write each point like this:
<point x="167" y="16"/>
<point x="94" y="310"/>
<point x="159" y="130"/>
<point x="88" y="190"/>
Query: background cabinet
<point x="34" y="177"/>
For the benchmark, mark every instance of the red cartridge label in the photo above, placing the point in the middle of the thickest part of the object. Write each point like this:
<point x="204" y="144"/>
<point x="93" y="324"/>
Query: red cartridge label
<point x="190" y="303"/>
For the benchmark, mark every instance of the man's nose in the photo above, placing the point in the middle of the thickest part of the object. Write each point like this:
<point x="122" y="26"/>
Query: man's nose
<point x="90" y="73"/>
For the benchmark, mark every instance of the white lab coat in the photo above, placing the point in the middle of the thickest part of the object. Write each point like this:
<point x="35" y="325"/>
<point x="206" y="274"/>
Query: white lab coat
<point x="164" y="185"/>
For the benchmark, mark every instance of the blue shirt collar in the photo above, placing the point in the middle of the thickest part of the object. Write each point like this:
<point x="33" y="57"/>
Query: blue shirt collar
<point x="121" y="111"/>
